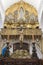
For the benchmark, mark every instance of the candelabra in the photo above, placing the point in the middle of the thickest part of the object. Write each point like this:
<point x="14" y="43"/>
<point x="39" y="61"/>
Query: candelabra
<point x="34" y="54"/>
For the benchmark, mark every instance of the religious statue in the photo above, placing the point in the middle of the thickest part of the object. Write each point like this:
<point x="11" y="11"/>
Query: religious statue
<point x="5" y="50"/>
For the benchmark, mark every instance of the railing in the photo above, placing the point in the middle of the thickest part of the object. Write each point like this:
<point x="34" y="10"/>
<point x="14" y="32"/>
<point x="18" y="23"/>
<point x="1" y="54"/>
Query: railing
<point x="9" y="61"/>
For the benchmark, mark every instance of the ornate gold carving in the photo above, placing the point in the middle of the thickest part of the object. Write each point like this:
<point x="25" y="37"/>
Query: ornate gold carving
<point x="21" y="54"/>
<point x="21" y="13"/>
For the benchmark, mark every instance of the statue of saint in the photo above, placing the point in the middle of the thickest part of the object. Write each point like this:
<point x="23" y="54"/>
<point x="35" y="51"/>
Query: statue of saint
<point x="5" y="50"/>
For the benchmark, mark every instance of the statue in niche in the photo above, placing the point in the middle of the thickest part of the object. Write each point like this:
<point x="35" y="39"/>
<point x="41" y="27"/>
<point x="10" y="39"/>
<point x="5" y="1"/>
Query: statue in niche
<point x="21" y="14"/>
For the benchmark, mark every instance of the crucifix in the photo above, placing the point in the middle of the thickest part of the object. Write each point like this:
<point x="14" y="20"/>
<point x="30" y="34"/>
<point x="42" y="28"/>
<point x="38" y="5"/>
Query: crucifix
<point x="21" y="36"/>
